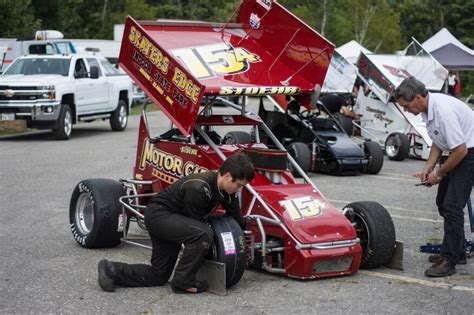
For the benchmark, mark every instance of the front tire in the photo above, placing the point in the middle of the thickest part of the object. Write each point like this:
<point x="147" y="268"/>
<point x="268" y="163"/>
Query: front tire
<point x="64" y="130"/>
<point x="374" y="153"/>
<point x="119" y="118"/>
<point x="228" y="247"/>
<point x="375" y="229"/>
<point x="94" y="213"/>
<point x="397" y="146"/>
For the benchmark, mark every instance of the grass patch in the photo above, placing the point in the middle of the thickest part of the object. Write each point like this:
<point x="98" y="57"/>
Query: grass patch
<point x="8" y="132"/>
<point x="137" y="110"/>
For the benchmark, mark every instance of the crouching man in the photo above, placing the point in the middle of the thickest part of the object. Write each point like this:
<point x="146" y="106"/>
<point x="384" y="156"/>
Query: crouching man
<point x="176" y="216"/>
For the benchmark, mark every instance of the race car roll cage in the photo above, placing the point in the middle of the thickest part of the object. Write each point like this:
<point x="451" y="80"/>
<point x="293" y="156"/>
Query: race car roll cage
<point x="131" y="200"/>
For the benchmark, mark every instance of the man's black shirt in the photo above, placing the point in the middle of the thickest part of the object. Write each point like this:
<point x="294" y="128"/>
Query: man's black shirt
<point x="196" y="196"/>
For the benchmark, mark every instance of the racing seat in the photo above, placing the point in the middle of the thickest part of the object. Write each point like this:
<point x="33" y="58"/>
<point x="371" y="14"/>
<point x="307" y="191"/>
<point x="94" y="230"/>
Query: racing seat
<point x="268" y="162"/>
<point x="322" y="124"/>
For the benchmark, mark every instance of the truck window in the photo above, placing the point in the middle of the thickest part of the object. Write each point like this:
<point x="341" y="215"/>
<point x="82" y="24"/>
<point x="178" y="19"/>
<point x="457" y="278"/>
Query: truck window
<point x="109" y="68"/>
<point x="93" y="62"/>
<point x="80" y="70"/>
<point x="41" y="49"/>
<point x="32" y="66"/>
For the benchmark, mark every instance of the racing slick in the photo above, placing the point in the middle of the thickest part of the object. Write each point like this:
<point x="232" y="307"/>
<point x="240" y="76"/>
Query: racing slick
<point x="176" y="217"/>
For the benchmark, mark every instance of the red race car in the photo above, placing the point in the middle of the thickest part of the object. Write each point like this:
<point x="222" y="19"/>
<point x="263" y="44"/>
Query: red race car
<point x="292" y="228"/>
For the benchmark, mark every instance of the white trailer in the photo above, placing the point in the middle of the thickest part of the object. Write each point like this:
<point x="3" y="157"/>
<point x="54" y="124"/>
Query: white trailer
<point x="382" y="120"/>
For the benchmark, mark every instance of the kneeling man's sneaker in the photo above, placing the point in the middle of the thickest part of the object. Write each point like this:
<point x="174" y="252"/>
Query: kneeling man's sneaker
<point x="441" y="269"/>
<point x="105" y="280"/>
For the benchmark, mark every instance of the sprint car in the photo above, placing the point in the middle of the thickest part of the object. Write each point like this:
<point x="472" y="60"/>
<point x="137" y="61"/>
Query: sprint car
<point x="291" y="228"/>
<point x="320" y="143"/>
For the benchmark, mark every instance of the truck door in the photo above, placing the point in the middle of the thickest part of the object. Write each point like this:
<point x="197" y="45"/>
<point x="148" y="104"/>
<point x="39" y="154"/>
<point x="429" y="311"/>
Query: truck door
<point x="86" y="96"/>
<point x="99" y="87"/>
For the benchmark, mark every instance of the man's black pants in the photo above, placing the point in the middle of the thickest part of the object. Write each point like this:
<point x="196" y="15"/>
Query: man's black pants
<point x="453" y="192"/>
<point x="168" y="231"/>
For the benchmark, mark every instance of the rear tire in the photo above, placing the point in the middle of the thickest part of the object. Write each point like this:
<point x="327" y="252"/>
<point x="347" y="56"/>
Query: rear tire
<point x="237" y="137"/>
<point x="64" y="130"/>
<point x="301" y="154"/>
<point x="119" y="118"/>
<point x="374" y="153"/>
<point x="94" y="212"/>
<point x="375" y="229"/>
<point x="229" y="247"/>
<point x="397" y="146"/>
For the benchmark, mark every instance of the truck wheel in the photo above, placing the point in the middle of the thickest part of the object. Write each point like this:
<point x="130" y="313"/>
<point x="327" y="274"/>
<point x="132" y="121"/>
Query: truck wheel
<point x="64" y="130"/>
<point x="397" y="146"/>
<point x="119" y="118"/>
<point x="375" y="229"/>
<point x="228" y="247"/>
<point x="301" y="154"/>
<point x="237" y="137"/>
<point x="94" y="213"/>
<point x="374" y="153"/>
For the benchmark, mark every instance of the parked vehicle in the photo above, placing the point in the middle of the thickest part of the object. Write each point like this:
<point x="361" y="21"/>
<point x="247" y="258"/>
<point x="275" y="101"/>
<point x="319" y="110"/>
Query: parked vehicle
<point x="318" y="143"/>
<point x="383" y="121"/>
<point x="45" y="42"/>
<point x="57" y="91"/>
<point x="292" y="229"/>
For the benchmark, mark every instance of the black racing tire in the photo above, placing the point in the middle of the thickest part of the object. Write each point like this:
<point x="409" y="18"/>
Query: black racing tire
<point x="119" y="118"/>
<point x="94" y="213"/>
<point x="64" y="129"/>
<point x="228" y="247"/>
<point x="301" y="154"/>
<point x="345" y="122"/>
<point x="237" y="137"/>
<point x="374" y="154"/>
<point x="375" y="229"/>
<point x="397" y="146"/>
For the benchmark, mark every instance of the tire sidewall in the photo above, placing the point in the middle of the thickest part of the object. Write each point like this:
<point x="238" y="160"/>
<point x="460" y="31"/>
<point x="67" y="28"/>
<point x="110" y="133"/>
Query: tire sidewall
<point x="60" y="133"/>
<point x="302" y="155"/>
<point x="104" y="195"/>
<point x="229" y="246"/>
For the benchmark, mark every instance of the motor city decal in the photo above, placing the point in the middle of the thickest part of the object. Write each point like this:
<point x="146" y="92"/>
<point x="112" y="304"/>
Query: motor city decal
<point x="303" y="207"/>
<point x="209" y="61"/>
<point x="155" y="68"/>
<point x="164" y="162"/>
<point x="286" y="90"/>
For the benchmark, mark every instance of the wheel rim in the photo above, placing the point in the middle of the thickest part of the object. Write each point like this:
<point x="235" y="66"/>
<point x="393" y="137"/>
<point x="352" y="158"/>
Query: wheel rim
<point x="123" y="117"/>
<point x="362" y="232"/>
<point x="67" y="123"/>
<point x="393" y="146"/>
<point x="84" y="213"/>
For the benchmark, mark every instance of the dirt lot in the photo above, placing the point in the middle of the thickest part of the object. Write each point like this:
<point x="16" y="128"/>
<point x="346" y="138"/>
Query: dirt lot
<point x="43" y="270"/>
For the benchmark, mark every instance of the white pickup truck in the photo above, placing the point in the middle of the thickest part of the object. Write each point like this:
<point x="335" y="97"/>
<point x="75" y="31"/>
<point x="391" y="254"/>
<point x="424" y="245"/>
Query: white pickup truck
<point x="57" y="91"/>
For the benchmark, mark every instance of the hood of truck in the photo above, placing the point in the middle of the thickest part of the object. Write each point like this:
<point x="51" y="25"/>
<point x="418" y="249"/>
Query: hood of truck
<point x="31" y="80"/>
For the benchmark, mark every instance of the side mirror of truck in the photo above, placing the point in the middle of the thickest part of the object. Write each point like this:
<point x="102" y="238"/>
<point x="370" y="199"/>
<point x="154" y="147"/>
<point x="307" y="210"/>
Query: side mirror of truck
<point x="94" y="74"/>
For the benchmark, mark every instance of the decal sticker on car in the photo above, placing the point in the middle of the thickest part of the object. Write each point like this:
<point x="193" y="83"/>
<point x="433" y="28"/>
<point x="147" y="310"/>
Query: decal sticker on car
<point x="229" y="244"/>
<point x="267" y="4"/>
<point x="209" y="61"/>
<point x="254" y="21"/>
<point x="303" y="207"/>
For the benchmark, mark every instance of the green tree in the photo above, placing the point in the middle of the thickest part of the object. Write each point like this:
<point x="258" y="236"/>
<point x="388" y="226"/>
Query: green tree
<point x="373" y="23"/>
<point x="17" y="19"/>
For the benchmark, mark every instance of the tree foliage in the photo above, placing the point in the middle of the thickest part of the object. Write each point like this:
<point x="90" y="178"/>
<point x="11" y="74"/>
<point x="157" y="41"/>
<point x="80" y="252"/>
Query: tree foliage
<point x="380" y="25"/>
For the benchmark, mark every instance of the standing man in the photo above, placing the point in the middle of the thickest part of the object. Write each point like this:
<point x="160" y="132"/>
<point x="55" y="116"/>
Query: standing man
<point x="176" y="216"/>
<point x="450" y="124"/>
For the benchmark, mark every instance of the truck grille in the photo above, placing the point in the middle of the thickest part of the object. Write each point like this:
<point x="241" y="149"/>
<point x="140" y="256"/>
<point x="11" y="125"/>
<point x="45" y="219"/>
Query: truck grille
<point x="18" y="93"/>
